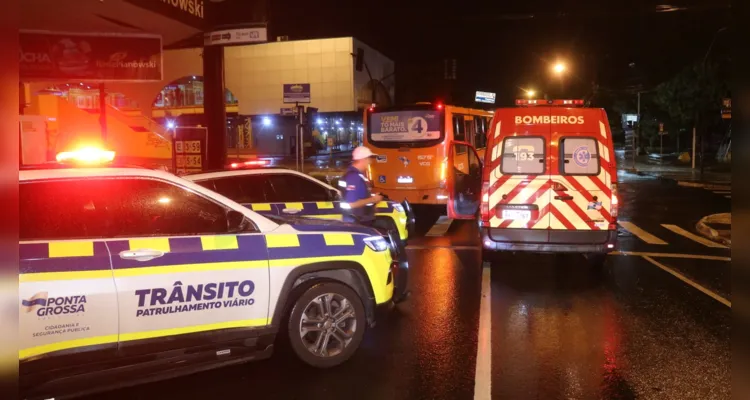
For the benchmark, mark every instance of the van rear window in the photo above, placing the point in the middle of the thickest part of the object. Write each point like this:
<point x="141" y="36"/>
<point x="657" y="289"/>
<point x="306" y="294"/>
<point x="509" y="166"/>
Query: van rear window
<point x="523" y="155"/>
<point x="580" y="156"/>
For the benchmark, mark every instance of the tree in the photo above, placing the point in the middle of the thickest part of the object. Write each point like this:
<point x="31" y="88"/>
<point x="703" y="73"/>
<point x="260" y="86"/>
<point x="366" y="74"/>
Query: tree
<point x="692" y="97"/>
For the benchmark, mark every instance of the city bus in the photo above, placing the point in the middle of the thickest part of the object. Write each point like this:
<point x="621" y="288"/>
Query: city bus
<point x="425" y="151"/>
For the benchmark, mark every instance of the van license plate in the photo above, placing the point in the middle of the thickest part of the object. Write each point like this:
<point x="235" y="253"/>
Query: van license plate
<point x="517" y="215"/>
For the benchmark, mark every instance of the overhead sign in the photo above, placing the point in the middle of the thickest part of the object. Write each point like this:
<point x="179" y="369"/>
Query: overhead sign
<point x="485" y="97"/>
<point x="89" y="57"/>
<point x="236" y="36"/>
<point x="296" y="93"/>
<point x="189" y="12"/>
<point x="726" y="108"/>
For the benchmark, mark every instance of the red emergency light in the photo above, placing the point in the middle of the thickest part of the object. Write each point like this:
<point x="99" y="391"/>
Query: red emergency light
<point x="251" y="163"/>
<point x="542" y="102"/>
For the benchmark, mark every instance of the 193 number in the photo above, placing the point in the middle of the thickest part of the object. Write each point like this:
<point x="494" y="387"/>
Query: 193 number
<point x="524" y="156"/>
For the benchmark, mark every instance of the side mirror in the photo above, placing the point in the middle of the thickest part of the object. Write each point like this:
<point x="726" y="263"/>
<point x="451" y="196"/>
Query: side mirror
<point x="335" y="195"/>
<point x="235" y="221"/>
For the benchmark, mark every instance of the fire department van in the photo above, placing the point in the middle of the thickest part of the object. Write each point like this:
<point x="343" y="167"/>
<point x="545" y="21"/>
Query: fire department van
<point x="550" y="180"/>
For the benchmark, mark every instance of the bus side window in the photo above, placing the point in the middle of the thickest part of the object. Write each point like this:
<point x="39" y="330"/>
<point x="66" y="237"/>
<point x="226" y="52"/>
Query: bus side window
<point x="459" y="130"/>
<point x="480" y="141"/>
<point x="470" y="131"/>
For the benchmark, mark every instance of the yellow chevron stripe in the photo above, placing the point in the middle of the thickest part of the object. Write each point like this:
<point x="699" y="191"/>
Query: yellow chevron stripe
<point x="282" y="240"/>
<point x="324" y="205"/>
<point x="338" y="239"/>
<point x="260" y="207"/>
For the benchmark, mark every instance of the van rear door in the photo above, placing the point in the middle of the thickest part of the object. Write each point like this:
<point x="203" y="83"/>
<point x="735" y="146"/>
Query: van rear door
<point x="519" y="175"/>
<point x="581" y="180"/>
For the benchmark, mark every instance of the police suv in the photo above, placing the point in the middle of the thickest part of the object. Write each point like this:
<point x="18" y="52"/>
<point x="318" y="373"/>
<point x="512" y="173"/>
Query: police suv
<point x="131" y="275"/>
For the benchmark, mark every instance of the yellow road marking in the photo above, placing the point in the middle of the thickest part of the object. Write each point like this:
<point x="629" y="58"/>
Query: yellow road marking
<point x="670" y="255"/>
<point x="640" y="233"/>
<point x="676" y="229"/>
<point x="689" y="282"/>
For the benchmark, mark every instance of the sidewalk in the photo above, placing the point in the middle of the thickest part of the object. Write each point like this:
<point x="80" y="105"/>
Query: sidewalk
<point x="673" y="171"/>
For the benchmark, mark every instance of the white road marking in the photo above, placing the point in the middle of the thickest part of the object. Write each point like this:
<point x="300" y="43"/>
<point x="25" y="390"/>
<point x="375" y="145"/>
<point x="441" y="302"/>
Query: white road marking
<point x="483" y="372"/>
<point x="670" y="255"/>
<point x="441" y="226"/>
<point x="689" y="282"/>
<point x="722" y="191"/>
<point x="640" y="233"/>
<point x="676" y="229"/>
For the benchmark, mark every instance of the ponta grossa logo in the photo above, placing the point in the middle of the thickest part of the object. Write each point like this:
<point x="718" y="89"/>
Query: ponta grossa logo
<point x="44" y="306"/>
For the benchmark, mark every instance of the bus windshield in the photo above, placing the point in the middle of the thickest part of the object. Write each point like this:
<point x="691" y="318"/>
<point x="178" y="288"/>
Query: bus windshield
<point x="405" y="128"/>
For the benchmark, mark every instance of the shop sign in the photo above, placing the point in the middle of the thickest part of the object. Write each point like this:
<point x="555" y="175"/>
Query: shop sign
<point x="89" y="57"/>
<point x="189" y="12"/>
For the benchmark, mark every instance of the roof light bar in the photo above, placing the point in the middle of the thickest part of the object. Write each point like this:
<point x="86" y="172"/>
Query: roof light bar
<point x="561" y="102"/>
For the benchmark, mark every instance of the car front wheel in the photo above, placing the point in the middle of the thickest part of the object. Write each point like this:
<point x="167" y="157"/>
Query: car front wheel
<point x="326" y="324"/>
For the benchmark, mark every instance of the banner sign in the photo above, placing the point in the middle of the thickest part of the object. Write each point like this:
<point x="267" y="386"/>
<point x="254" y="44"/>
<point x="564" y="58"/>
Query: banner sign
<point x="484" y="97"/>
<point x="405" y="126"/>
<point x="236" y="36"/>
<point x="190" y="149"/>
<point x="89" y="57"/>
<point x="296" y="93"/>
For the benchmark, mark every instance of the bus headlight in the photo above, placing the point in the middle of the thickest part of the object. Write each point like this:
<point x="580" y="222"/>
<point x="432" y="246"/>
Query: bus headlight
<point x="376" y="243"/>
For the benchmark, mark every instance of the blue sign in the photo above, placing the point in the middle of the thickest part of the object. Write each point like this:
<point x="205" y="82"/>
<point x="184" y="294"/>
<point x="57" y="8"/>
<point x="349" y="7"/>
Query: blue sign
<point x="405" y="126"/>
<point x="296" y="93"/>
<point x="484" y="97"/>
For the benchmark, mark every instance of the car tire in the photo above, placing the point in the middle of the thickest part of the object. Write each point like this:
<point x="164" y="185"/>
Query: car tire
<point x="311" y="325"/>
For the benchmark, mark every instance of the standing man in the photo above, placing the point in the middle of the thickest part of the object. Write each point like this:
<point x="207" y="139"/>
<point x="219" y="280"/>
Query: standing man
<point x="355" y="191"/>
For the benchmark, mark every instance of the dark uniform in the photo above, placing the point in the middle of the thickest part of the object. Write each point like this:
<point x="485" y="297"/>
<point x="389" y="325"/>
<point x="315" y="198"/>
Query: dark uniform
<point x="357" y="187"/>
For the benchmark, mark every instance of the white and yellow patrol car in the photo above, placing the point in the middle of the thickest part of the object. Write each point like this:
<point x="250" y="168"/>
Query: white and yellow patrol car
<point x="131" y="274"/>
<point x="279" y="191"/>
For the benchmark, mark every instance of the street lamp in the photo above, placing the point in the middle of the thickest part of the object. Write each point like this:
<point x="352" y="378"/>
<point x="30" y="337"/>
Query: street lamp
<point x="530" y="93"/>
<point x="559" y="68"/>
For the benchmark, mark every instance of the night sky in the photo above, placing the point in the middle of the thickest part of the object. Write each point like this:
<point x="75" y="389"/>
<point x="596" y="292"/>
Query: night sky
<point x="503" y="45"/>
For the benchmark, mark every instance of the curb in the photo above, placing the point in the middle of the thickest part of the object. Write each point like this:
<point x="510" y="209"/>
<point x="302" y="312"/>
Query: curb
<point x="711" y="233"/>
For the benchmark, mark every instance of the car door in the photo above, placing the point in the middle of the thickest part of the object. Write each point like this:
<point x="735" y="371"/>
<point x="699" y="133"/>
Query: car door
<point x="519" y="195"/>
<point x="581" y="188"/>
<point x="464" y="182"/>
<point x="179" y="272"/>
<point x="297" y="195"/>
<point x="68" y="314"/>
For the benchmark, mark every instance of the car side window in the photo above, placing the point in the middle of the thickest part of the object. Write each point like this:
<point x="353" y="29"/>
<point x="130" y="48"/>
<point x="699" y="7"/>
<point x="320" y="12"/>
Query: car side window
<point x="146" y="207"/>
<point x="243" y="189"/>
<point x="289" y="188"/>
<point x="65" y="209"/>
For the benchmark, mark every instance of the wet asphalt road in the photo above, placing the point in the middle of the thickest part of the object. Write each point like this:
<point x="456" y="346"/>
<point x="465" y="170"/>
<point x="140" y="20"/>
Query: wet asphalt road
<point x="558" y="330"/>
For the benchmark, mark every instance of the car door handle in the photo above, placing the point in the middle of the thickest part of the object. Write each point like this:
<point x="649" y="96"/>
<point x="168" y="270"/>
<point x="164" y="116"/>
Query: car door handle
<point x="141" y="254"/>
<point x="291" y="210"/>
<point x="563" y="197"/>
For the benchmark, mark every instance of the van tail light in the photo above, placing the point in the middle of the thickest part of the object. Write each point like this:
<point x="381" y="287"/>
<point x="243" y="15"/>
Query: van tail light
<point x="615" y="202"/>
<point x="484" y="207"/>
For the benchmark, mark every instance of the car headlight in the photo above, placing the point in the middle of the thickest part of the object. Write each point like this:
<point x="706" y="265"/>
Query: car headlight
<point x="398" y="207"/>
<point x="376" y="243"/>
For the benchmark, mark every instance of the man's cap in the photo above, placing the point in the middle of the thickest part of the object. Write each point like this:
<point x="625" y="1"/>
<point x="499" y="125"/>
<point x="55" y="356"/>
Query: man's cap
<point x="362" y="152"/>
